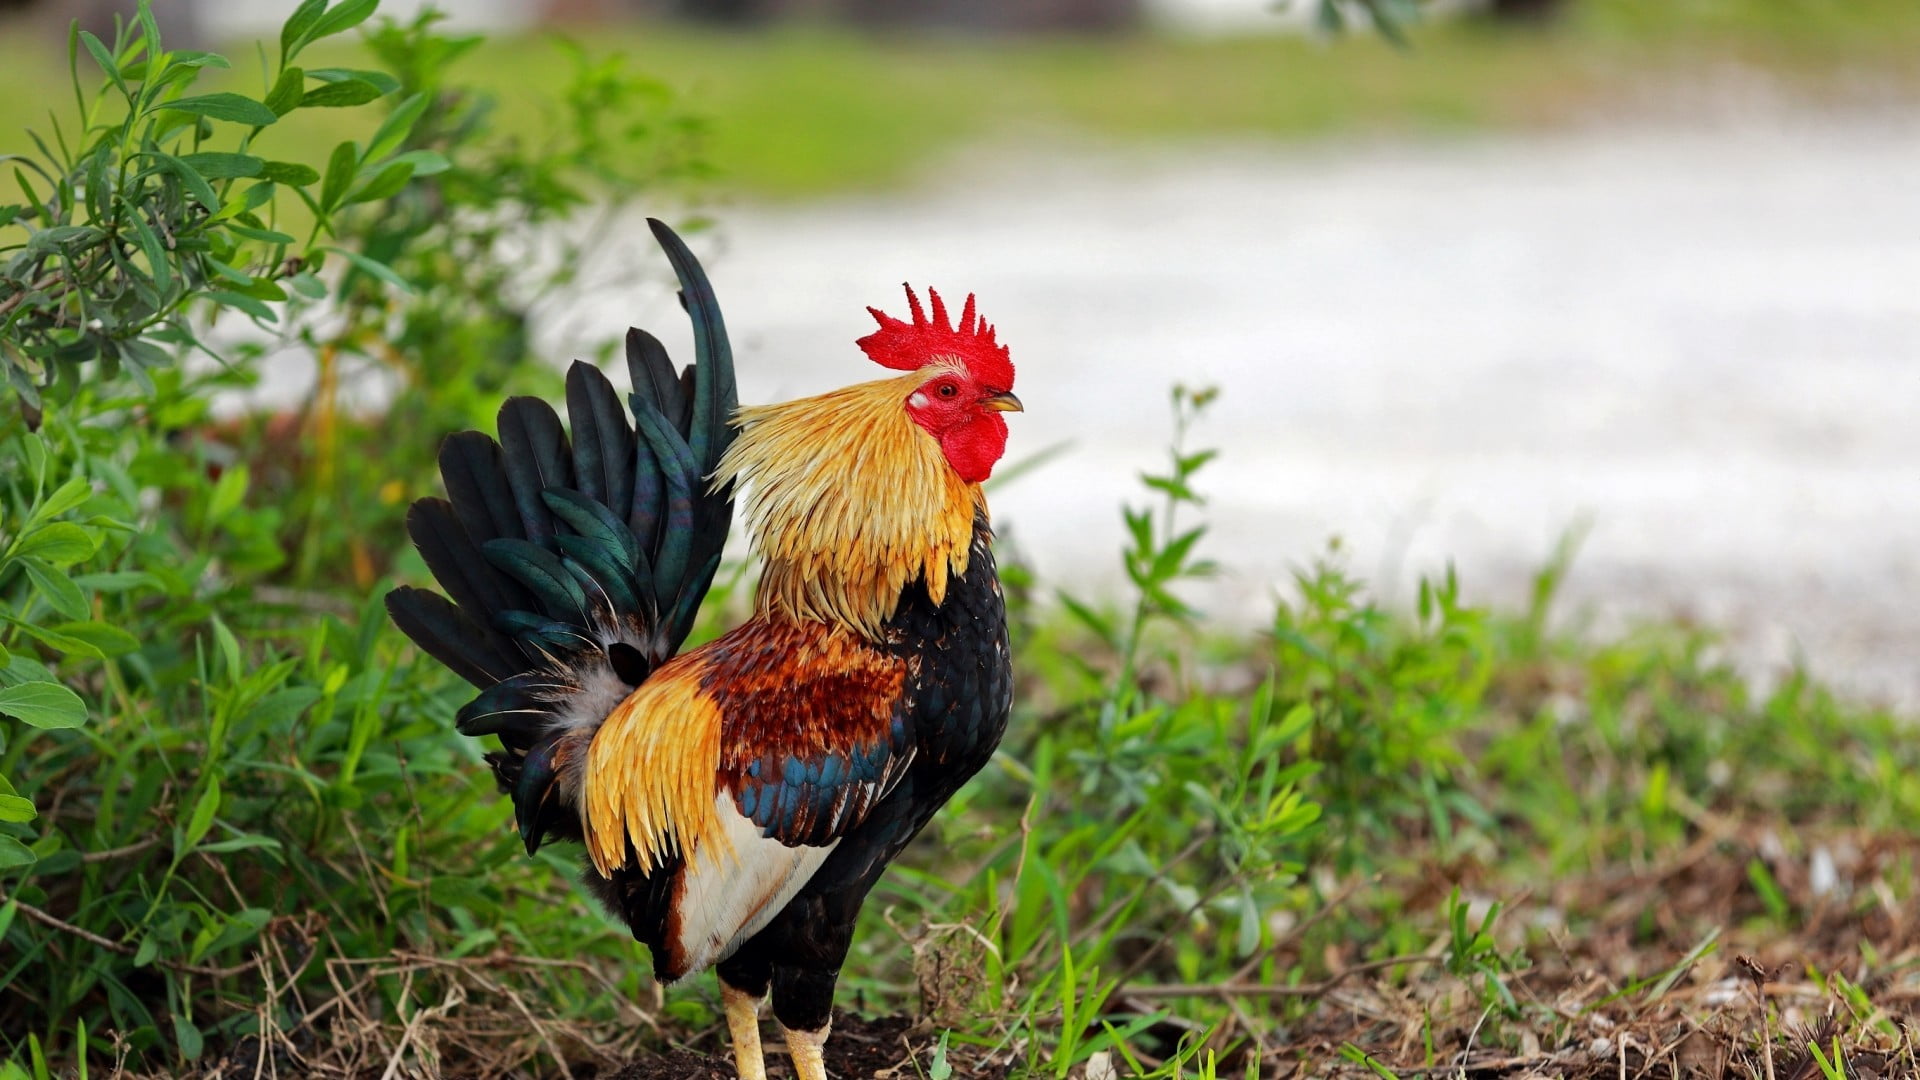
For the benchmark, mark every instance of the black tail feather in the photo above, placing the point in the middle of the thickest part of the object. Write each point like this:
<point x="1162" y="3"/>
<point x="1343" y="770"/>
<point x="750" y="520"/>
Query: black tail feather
<point x="576" y="566"/>
<point x="714" y="395"/>
<point x="448" y="636"/>
<point x="449" y="551"/>
<point x="653" y="379"/>
<point x="533" y="448"/>
<point x="477" y="486"/>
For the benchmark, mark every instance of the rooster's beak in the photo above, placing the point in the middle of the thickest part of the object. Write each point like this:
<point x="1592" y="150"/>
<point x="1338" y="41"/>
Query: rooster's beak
<point x="1004" y="403"/>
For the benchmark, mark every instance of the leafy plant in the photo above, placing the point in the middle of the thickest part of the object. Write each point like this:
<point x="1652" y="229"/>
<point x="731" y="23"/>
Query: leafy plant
<point x="1389" y="699"/>
<point x="155" y="200"/>
<point x="225" y="784"/>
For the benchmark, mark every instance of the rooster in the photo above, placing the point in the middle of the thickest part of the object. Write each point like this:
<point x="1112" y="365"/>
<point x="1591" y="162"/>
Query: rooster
<point x="736" y="801"/>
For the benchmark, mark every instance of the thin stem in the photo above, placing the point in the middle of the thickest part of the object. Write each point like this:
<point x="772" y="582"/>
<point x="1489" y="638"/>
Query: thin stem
<point x="47" y="919"/>
<point x="1246" y="989"/>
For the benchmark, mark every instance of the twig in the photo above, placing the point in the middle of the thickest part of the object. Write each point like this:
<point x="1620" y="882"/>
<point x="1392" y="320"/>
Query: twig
<point x="1243" y="989"/>
<point x="120" y="852"/>
<point x="1496" y="1065"/>
<point x="14" y="301"/>
<point x="412" y="1027"/>
<point x="57" y="923"/>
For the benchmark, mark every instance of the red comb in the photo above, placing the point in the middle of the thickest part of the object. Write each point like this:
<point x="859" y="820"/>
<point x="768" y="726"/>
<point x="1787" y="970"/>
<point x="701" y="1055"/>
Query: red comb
<point x="907" y="346"/>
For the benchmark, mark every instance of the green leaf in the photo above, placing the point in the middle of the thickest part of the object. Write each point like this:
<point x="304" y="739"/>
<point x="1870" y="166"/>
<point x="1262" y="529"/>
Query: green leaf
<point x="149" y="948"/>
<point x="394" y="129"/>
<point x="290" y="173"/>
<point x="340" y="95"/>
<point x="1173" y="487"/>
<point x="110" y="640"/>
<point x="58" y="542"/>
<point x="187" y="1037"/>
<point x="387" y="183"/>
<point x="297" y="30"/>
<point x="64" y="498"/>
<point x="73" y="646"/>
<point x="244" y="303"/>
<point x="104" y="58"/>
<point x="283" y="707"/>
<point x="1248" y="937"/>
<point x="241" y="843"/>
<point x="1172" y="559"/>
<point x="14" y="853"/>
<point x="117" y="581"/>
<point x="188" y="58"/>
<point x="1102" y="628"/>
<point x="202" y="818"/>
<point x="256" y="196"/>
<point x="425" y="162"/>
<point x="150" y="245"/>
<point x="67" y="234"/>
<point x="238" y="108"/>
<point x="227" y="493"/>
<point x="309" y="286"/>
<point x="56" y="588"/>
<point x="349" y="14"/>
<point x="36" y="454"/>
<point x="1194" y="462"/>
<point x="229" y="648"/>
<point x="340" y="169"/>
<point x="43" y="705"/>
<point x="150" y="29"/>
<point x="265" y="236"/>
<point x="377" y="269"/>
<point x="286" y="92"/>
<point x="15" y="808"/>
<point x="195" y="184"/>
<point x="216" y="166"/>
<point x="382" y="81"/>
<point x="231" y="273"/>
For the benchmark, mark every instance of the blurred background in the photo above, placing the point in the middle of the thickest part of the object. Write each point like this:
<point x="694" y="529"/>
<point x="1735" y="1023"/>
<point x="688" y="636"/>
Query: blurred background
<point x="1639" y="274"/>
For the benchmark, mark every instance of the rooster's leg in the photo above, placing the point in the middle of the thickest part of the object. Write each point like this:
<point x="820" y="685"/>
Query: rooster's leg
<point x="743" y="1021"/>
<point x="805" y="1048"/>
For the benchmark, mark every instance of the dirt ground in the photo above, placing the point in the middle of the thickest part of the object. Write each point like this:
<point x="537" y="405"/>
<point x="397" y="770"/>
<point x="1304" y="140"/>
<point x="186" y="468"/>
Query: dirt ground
<point x="1681" y="968"/>
<point x="1675" y="970"/>
<point x="885" y="1047"/>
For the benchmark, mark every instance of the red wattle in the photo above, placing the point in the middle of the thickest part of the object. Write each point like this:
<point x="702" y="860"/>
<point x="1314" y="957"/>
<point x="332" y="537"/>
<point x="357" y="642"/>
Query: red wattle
<point x="973" y="447"/>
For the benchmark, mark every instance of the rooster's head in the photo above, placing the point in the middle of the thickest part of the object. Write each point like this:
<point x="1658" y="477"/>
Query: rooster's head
<point x="967" y="384"/>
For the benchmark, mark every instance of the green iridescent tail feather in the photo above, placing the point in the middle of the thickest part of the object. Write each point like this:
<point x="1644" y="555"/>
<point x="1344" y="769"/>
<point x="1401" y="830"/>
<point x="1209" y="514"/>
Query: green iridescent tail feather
<point x="573" y="565"/>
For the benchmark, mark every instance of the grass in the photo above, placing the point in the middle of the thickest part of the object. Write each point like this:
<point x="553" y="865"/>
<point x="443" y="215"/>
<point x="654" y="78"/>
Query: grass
<point x="811" y="111"/>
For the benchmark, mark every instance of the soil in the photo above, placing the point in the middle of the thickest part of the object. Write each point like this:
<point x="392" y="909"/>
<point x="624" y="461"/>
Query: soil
<point x="1673" y="969"/>
<point x="1592" y="1004"/>
<point x="884" y="1047"/>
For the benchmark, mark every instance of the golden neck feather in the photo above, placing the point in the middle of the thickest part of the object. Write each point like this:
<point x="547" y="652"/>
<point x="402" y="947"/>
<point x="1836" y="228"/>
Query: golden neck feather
<point x="848" y="501"/>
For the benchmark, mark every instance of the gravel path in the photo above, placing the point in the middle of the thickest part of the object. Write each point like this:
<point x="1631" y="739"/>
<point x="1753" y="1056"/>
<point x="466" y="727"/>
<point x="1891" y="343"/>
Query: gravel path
<point x="1706" y="344"/>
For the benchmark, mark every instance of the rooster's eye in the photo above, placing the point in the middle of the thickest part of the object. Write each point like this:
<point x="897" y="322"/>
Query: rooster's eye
<point x="947" y="390"/>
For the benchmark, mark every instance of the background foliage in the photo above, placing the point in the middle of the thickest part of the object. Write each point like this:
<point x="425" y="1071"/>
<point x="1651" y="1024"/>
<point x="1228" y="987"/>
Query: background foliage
<point x="235" y="825"/>
<point x="217" y="762"/>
